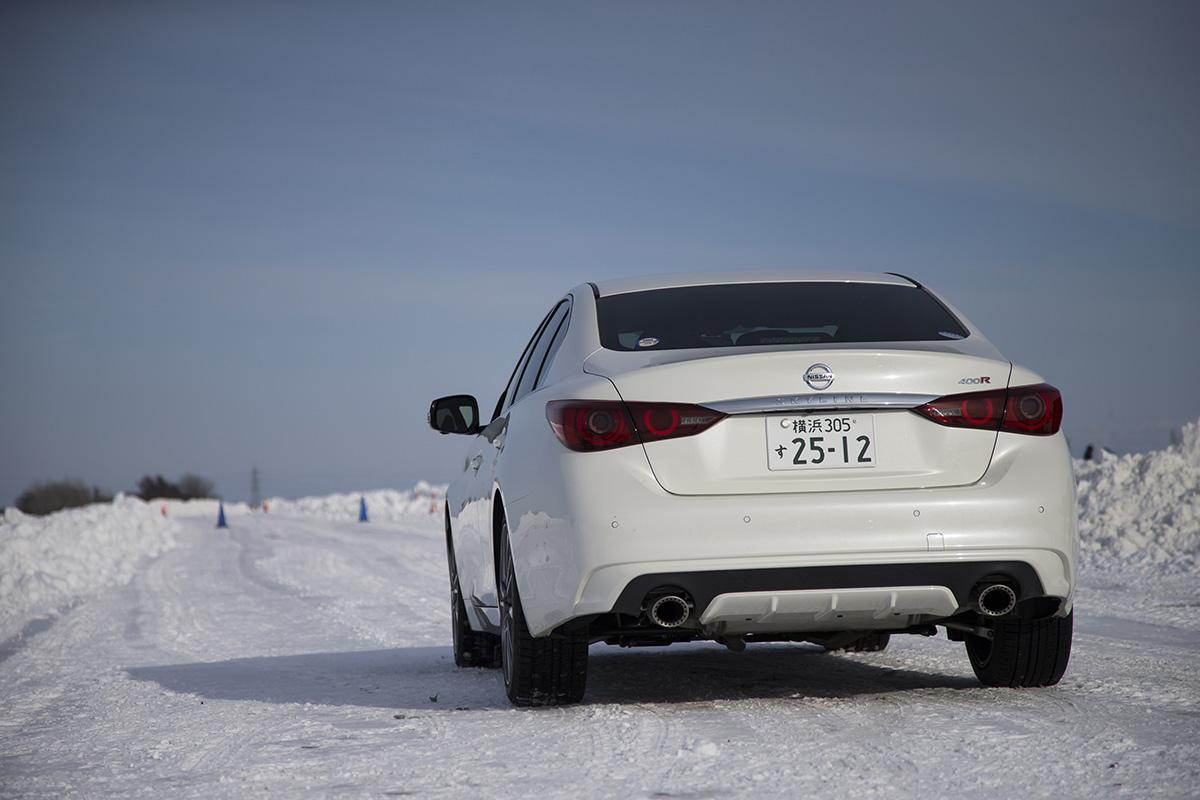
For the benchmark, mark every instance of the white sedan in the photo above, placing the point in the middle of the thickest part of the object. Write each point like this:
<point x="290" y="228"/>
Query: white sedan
<point x="756" y="457"/>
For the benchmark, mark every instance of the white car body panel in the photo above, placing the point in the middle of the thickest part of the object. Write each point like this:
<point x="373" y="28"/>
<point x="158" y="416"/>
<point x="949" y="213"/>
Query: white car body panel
<point x="584" y="525"/>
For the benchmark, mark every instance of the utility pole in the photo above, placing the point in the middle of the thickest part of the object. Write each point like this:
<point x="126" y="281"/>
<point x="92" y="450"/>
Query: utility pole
<point x="255" y="491"/>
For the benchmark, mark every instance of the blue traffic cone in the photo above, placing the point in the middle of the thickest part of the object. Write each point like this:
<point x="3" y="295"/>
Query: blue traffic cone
<point x="362" y="509"/>
<point x="221" y="516"/>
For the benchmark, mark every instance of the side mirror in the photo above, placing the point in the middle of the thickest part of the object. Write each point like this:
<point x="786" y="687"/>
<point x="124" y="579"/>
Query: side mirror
<point x="458" y="413"/>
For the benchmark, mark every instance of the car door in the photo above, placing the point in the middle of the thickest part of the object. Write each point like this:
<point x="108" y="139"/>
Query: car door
<point x="476" y="562"/>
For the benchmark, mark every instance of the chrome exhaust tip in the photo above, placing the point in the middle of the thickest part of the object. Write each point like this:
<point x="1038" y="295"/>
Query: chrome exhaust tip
<point x="669" y="611"/>
<point x="996" y="600"/>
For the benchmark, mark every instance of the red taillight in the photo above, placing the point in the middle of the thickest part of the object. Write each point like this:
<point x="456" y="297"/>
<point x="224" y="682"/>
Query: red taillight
<point x="591" y="425"/>
<point x="1034" y="410"/>
<point x="604" y="424"/>
<point x="974" y="410"/>
<point x="656" y="421"/>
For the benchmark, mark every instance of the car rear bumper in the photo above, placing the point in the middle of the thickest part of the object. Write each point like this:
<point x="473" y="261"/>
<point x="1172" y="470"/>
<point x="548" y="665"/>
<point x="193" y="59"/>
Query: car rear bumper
<point x="622" y="538"/>
<point x="884" y="595"/>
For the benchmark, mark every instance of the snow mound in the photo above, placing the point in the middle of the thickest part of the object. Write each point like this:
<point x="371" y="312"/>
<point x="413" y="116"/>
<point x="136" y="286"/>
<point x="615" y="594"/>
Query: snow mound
<point x="47" y="562"/>
<point x="383" y="505"/>
<point x="1143" y="509"/>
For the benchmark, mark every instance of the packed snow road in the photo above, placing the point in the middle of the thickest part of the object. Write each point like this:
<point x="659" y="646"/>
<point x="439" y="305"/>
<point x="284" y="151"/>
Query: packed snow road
<point x="290" y="654"/>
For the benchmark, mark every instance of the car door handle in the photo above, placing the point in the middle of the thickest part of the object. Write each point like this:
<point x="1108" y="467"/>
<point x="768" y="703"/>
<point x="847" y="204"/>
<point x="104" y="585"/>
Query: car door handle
<point x="476" y="461"/>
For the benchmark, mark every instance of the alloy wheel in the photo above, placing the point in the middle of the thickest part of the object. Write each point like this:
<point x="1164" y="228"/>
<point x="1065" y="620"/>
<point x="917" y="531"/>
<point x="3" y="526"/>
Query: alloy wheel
<point x="507" y="633"/>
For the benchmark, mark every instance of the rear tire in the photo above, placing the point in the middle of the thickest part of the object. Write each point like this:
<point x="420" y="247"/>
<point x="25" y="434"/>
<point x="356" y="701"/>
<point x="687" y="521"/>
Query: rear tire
<point x="546" y="671"/>
<point x="1023" y="652"/>
<point x="471" y="648"/>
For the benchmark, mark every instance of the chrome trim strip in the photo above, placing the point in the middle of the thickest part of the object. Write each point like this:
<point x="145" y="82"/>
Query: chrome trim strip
<point x="812" y="402"/>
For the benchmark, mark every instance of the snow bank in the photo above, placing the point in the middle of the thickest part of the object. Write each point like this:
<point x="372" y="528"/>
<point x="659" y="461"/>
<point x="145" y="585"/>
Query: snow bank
<point x="46" y="562"/>
<point x="1143" y="509"/>
<point x="383" y="505"/>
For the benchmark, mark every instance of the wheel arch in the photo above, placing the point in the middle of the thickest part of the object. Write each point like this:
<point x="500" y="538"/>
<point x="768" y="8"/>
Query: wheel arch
<point x="499" y="515"/>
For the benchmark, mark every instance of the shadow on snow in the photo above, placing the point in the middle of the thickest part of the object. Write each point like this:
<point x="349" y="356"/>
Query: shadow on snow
<point x="409" y="677"/>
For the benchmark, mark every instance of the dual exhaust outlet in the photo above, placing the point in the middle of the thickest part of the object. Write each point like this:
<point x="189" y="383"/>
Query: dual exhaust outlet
<point x="672" y="610"/>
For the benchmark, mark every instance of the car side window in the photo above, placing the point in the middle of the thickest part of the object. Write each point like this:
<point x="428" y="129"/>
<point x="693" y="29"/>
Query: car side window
<point x="503" y="401"/>
<point x="529" y="372"/>
<point x="555" y="343"/>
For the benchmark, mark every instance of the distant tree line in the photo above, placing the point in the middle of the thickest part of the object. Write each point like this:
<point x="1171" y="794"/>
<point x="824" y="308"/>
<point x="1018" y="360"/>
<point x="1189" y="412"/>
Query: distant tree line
<point x="46" y="497"/>
<point x="50" y="496"/>
<point x="188" y="487"/>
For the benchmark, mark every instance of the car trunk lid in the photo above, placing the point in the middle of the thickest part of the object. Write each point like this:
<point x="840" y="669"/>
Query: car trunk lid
<point x="774" y="413"/>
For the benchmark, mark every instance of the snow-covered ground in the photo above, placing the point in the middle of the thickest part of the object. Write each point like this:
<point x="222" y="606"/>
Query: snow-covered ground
<point x="302" y="652"/>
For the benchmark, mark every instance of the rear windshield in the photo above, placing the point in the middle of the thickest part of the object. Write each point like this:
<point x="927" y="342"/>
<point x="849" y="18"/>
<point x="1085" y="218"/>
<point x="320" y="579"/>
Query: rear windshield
<point x="753" y="314"/>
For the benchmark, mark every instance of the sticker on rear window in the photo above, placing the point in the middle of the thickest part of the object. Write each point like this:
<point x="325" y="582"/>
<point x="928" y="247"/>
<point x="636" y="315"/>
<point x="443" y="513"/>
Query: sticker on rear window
<point x="951" y="335"/>
<point x="648" y="341"/>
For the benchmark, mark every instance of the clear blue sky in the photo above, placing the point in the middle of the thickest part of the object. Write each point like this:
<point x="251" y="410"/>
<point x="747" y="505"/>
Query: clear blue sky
<point x="238" y="233"/>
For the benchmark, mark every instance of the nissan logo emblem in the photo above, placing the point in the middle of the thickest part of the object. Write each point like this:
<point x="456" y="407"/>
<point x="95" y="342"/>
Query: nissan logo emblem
<point x="819" y="376"/>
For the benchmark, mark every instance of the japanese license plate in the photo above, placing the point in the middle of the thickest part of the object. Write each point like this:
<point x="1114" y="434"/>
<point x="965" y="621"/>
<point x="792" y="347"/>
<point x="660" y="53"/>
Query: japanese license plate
<point x="820" y="441"/>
